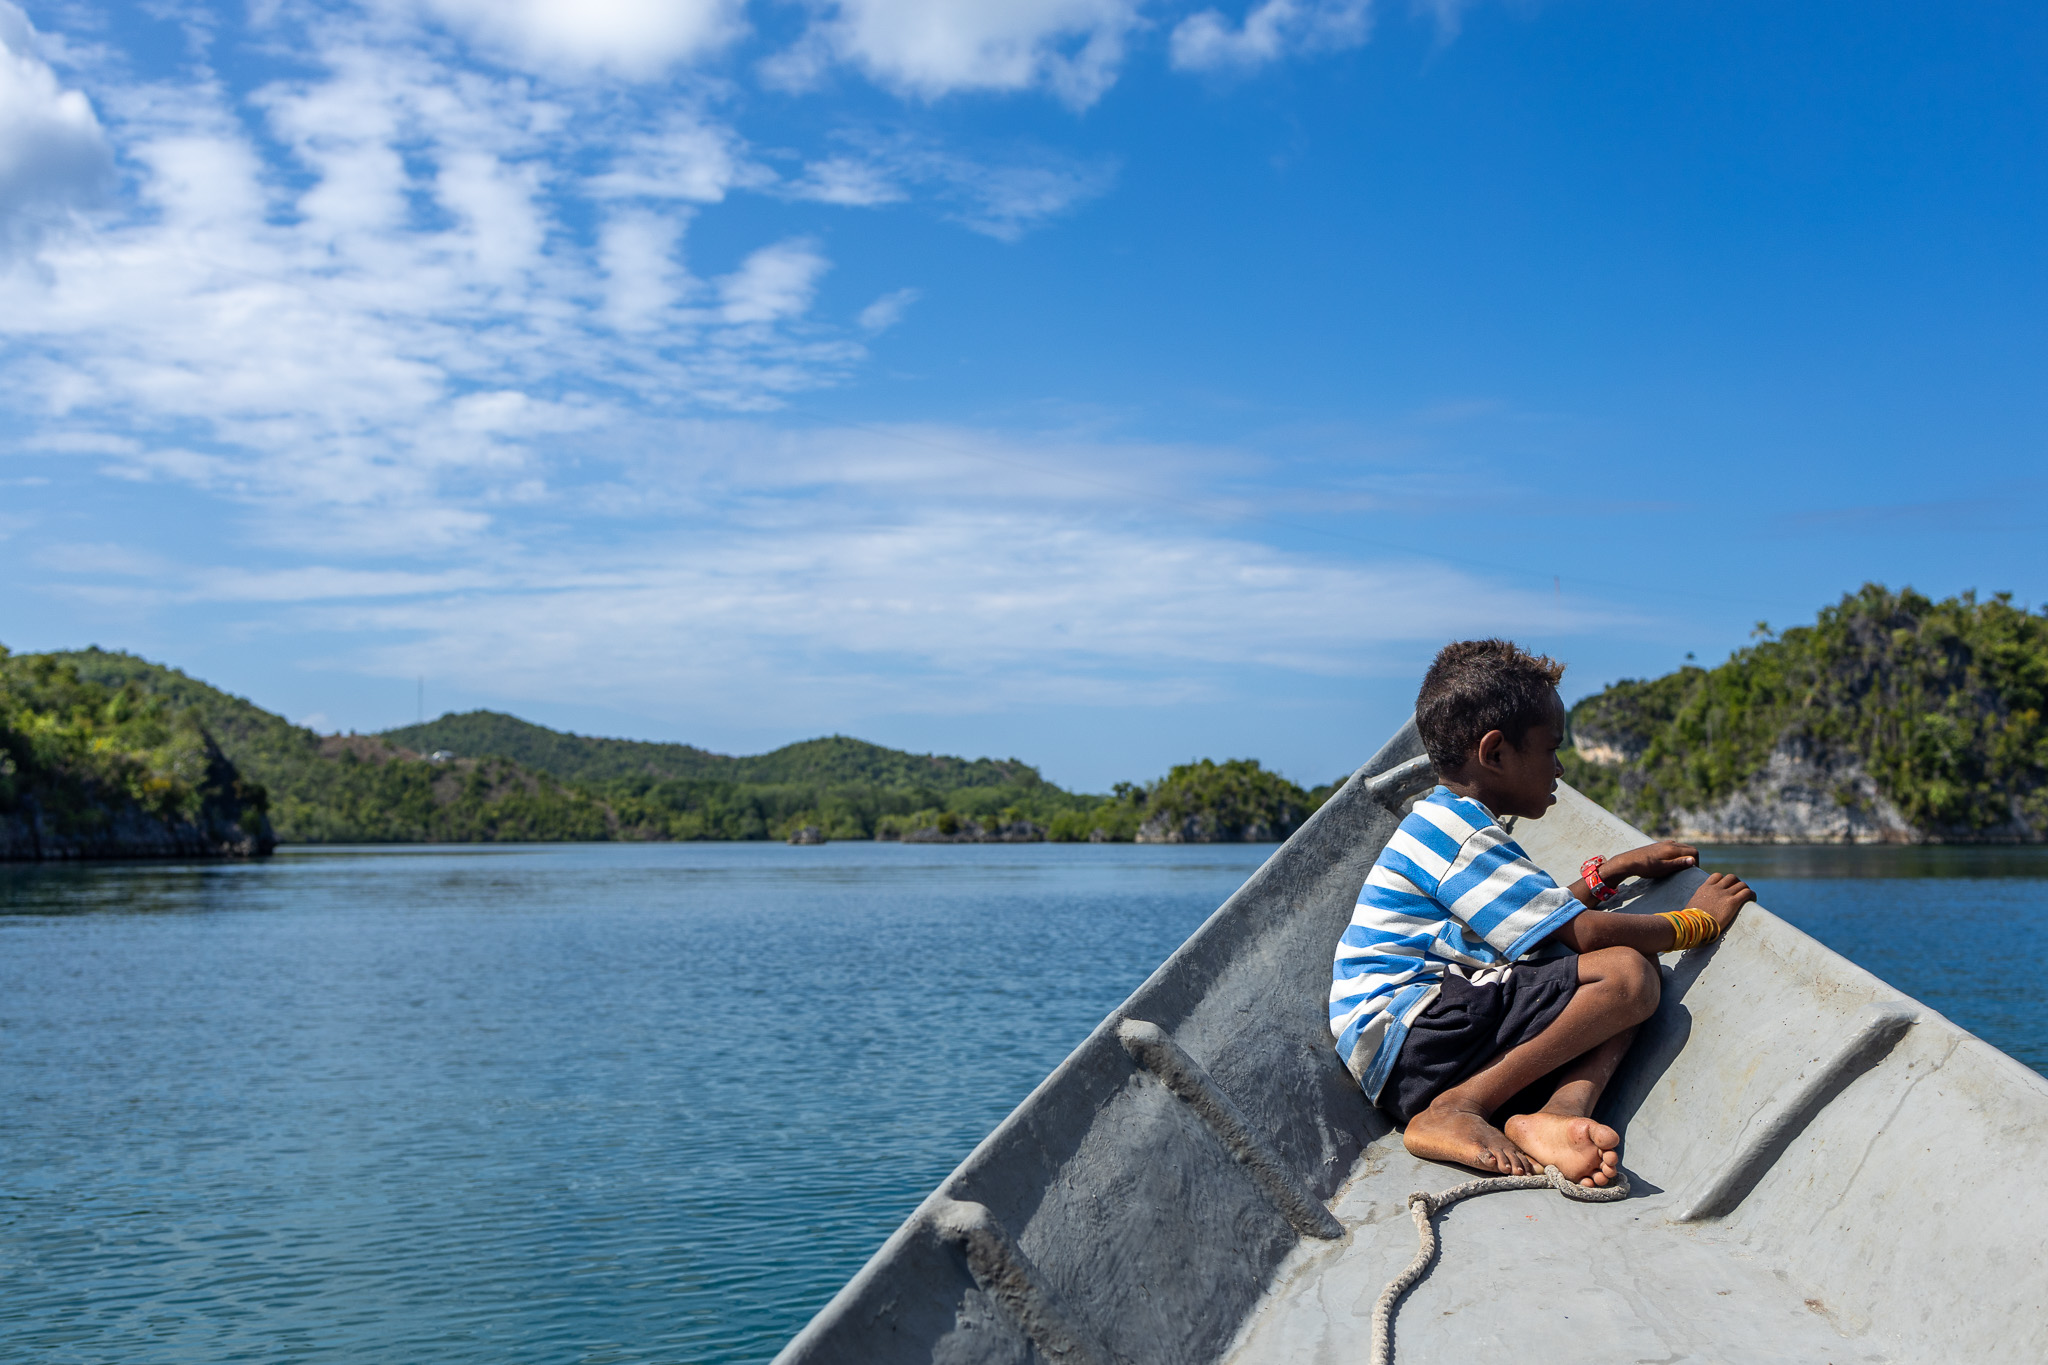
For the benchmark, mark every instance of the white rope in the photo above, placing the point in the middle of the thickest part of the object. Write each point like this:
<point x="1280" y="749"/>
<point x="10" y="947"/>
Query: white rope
<point x="1424" y="1206"/>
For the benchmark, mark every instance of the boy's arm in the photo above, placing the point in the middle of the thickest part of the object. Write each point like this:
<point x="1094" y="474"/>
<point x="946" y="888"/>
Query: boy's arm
<point x="1722" y="895"/>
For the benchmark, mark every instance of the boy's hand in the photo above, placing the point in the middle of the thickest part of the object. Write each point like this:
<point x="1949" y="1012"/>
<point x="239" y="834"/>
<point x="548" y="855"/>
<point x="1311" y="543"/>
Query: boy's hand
<point x="1722" y="895"/>
<point x="1651" y="860"/>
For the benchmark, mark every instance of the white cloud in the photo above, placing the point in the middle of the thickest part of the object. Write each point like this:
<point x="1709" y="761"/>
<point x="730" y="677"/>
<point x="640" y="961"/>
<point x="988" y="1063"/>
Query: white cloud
<point x="495" y="204"/>
<point x="847" y="180"/>
<point x="1272" y="29"/>
<point x="835" y="575"/>
<point x="635" y="38"/>
<point x="689" y="158"/>
<point x="367" y="341"/>
<point x="642" y="278"/>
<point x="773" y="284"/>
<point x="53" y="154"/>
<point x="887" y="571"/>
<point x="930" y="48"/>
<point x="888" y="310"/>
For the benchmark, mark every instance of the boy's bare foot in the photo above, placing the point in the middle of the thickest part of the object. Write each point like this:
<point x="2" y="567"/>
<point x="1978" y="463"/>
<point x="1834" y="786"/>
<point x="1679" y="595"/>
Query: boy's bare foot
<point x="1444" y="1133"/>
<point x="1581" y="1149"/>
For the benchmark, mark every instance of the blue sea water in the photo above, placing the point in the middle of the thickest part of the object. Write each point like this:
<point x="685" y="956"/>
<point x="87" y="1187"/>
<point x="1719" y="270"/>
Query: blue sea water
<point x="620" y="1103"/>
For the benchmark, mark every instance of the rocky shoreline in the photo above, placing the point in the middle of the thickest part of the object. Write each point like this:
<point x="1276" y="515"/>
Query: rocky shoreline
<point x="28" y="835"/>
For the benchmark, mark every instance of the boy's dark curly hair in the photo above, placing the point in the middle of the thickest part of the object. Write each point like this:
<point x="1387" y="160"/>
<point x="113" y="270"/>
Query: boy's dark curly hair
<point x="1480" y="685"/>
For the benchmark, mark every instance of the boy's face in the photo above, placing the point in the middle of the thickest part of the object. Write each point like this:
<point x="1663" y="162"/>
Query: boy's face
<point x="1526" y="779"/>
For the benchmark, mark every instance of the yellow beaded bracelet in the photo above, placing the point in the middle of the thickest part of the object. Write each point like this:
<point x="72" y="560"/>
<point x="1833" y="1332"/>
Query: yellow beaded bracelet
<point x="1692" y="927"/>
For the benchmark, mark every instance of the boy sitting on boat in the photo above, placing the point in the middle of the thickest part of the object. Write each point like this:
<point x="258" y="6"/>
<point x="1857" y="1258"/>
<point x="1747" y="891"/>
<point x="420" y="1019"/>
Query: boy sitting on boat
<point x="1467" y="976"/>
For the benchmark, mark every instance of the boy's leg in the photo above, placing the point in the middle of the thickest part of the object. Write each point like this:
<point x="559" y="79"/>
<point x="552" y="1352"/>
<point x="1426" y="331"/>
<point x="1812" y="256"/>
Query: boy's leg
<point x="1618" y="989"/>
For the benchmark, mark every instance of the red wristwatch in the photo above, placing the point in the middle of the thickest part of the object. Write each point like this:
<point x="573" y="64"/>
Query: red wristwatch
<point x="1590" y="870"/>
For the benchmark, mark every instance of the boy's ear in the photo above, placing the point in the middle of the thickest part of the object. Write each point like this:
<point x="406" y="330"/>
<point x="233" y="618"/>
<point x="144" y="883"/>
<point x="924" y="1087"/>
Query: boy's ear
<point x="1490" y="745"/>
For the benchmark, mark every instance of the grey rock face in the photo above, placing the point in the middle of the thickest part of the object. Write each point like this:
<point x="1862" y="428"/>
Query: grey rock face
<point x="1802" y="796"/>
<point x="229" y="822"/>
<point x="26" y="835"/>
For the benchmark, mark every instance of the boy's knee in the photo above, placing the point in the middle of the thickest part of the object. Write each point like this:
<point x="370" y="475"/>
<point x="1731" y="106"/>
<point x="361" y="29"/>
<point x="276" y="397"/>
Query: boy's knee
<point x="1634" y="978"/>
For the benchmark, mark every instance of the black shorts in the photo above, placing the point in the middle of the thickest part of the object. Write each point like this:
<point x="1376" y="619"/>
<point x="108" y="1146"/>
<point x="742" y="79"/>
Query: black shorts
<point x="1467" y="1026"/>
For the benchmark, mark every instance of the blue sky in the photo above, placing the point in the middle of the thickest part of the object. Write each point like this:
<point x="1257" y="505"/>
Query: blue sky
<point x="1101" y="382"/>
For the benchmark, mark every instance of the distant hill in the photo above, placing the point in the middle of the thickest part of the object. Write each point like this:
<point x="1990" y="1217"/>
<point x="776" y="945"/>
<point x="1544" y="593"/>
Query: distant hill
<point x="265" y="742"/>
<point x="358" y="789"/>
<point x="513" y="780"/>
<point x="835" y="760"/>
<point x="509" y="779"/>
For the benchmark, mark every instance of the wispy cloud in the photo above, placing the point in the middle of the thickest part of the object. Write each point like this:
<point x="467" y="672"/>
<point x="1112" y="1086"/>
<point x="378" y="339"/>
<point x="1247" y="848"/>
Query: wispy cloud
<point x="358" y="297"/>
<point x="888" y="310"/>
<point x="772" y="285"/>
<point x="1000" y="196"/>
<point x="847" y="180"/>
<point x="1270" y="30"/>
<point x="688" y="156"/>
<point x="367" y="339"/>
<point x="924" y="568"/>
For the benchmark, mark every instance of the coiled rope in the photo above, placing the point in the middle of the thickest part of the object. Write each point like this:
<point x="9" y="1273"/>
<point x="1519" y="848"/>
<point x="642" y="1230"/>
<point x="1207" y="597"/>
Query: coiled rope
<point x="1425" y="1206"/>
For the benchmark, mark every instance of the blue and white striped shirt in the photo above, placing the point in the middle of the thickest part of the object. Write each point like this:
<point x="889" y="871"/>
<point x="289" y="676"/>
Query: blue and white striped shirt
<point x="1451" y="892"/>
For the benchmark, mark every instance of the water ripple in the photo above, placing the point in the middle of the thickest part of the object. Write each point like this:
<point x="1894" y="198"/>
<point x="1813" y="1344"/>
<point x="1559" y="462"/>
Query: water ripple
<point x="560" y="1104"/>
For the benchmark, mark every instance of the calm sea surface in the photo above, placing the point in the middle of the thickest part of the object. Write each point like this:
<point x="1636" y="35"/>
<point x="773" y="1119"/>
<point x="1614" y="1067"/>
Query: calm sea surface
<point x="620" y="1103"/>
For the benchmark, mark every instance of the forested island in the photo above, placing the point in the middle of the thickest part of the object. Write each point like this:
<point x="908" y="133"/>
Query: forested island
<point x="103" y="754"/>
<point x="1892" y="718"/>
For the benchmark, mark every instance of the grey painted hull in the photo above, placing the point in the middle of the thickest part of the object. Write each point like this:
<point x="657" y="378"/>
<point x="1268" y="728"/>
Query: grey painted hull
<point x="1824" y="1170"/>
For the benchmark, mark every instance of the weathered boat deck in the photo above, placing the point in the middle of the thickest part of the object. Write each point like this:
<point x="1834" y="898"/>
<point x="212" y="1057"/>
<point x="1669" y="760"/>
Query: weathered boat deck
<point x="1824" y="1170"/>
<point x="1527" y="1275"/>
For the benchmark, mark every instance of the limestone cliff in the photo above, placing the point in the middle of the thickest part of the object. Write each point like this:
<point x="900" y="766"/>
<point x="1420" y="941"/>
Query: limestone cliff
<point x="1800" y="796"/>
